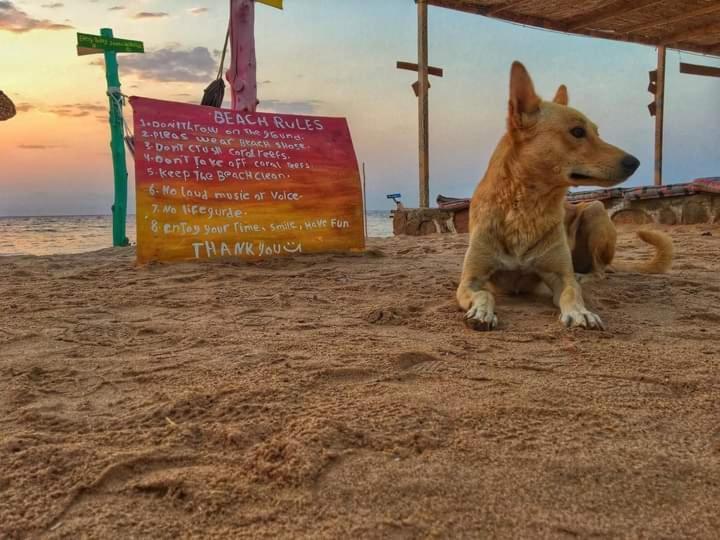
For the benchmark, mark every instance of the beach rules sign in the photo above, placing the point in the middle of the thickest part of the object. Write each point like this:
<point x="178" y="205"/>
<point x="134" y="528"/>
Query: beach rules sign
<point x="215" y="183"/>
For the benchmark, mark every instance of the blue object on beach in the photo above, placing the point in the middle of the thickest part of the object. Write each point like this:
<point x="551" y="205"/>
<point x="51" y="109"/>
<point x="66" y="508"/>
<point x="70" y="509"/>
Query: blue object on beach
<point x="394" y="197"/>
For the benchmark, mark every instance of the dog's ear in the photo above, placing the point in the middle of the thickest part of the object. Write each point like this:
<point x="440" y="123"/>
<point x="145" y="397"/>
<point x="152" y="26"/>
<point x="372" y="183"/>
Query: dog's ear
<point x="523" y="99"/>
<point x="561" y="96"/>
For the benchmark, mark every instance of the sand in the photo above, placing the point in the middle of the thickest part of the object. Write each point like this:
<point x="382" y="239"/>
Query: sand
<point x="339" y="396"/>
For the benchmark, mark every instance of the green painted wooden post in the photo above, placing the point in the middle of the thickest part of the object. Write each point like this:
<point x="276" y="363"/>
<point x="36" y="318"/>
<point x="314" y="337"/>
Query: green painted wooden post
<point x="117" y="145"/>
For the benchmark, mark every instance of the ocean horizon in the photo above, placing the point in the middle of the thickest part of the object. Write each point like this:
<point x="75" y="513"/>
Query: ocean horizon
<point x="66" y="234"/>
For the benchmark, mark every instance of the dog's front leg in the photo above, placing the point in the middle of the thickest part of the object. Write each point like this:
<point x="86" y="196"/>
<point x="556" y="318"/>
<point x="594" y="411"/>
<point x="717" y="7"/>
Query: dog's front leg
<point x="479" y="304"/>
<point x="567" y="295"/>
<point x="472" y="293"/>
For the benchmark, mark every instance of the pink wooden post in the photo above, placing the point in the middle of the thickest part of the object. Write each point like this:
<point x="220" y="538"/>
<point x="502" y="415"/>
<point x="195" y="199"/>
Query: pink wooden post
<point x="242" y="72"/>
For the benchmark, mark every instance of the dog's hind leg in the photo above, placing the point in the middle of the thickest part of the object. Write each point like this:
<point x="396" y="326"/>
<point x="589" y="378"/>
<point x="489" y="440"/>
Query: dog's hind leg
<point x="472" y="294"/>
<point x="595" y="238"/>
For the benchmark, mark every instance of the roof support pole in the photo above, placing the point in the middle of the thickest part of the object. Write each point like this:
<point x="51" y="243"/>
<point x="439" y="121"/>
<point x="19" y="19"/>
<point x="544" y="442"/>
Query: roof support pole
<point x="424" y="153"/>
<point x="660" y="114"/>
<point x="242" y="72"/>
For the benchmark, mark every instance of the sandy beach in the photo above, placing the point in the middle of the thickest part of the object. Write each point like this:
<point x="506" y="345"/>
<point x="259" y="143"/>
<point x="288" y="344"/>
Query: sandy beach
<point x="334" y="396"/>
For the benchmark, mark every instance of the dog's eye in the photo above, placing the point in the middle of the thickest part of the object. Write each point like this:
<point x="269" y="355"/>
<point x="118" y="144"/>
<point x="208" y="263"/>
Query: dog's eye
<point x="578" y="132"/>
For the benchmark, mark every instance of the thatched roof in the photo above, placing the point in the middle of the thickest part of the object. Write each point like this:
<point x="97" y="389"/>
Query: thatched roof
<point x="688" y="25"/>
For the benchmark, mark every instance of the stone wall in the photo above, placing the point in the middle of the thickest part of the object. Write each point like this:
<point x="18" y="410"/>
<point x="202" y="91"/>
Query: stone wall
<point x="422" y="221"/>
<point x="679" y="210"/>
<point x="682" y="210"/>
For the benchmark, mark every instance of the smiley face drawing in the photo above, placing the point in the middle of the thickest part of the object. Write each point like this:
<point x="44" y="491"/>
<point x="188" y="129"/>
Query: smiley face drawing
<point x="292" y="247"/>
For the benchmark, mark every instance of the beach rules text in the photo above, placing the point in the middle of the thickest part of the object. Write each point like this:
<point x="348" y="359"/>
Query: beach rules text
<point x="215" y="183"/>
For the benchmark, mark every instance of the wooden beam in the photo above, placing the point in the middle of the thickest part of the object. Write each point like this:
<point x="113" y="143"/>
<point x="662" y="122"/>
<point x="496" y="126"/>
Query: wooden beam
<point x="614" y="9"/>
<point x="436" y="71"/>
<point x="423" y="147"/>
<point x="707" y="10"/>
<point x="493" y="10"/>
<point x="689" y="32"/>
<point x="659" y="115"/>
<point x="459" y="6"/>
<point x="695" y="69"/>
<point x="711" y="50"/>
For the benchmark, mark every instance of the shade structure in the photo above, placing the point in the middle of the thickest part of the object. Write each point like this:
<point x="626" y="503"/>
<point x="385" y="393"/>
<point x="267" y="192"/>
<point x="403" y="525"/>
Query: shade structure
<point x="686" y="25"/>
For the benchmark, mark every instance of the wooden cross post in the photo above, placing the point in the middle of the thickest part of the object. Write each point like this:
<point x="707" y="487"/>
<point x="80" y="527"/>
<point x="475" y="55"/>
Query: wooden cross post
<point x="421" y="88"/>
<point x="695" y="69"/>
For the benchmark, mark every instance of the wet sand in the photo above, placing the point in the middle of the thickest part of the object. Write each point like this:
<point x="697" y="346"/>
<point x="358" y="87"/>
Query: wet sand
<point x="335" y="396"/>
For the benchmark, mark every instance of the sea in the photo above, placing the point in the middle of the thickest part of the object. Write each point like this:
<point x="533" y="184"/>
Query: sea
<point x="49" y="235"/>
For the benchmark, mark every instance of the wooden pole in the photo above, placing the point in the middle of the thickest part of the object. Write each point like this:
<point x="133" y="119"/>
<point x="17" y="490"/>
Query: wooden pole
<point x="117" y="145"/>
<point x="424" y="153"/>
<point x="365" y="203"/>
<point x="242" y="72"/>
<point x="660" y="114"/>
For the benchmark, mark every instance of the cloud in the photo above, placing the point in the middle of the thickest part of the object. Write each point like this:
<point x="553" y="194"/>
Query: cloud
<point x="290" y="107"/>
<point x="198" y="10"/>
<point x="54" y="5"/>
<point x="76" y="110"/>
<point x="172" y="64"/>
<point x="116" y="8"/>
<point x="24" y="107"/>
<point x="39" y="146"/>
<point x="150" y="15"/>
<point x="14" y="20"/>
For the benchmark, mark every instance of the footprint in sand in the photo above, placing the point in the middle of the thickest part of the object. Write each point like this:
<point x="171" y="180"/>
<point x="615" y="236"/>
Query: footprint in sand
<point x="414" y="359"/>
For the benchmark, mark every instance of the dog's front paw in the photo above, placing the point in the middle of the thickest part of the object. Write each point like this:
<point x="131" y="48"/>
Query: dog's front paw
<point x="479" y="318"/>
<point x="583" y="318"/>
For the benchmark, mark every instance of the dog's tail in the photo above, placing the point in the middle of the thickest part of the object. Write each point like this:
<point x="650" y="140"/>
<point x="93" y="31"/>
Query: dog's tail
<point x="659" y="264"/>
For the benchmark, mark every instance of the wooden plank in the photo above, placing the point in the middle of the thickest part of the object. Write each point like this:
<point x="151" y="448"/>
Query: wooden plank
<point x="460" y="6"/>
<point x="84" y="51"/>
<point x="710" y="50"/>
<point x="438" y="72"/>
<point x="416" y="87"/>
<point x="614" y="9"/>
<point x="504" y="7"/>
<point x="707" y="10"/>
<point x="696" y="69"/>
<point x="118" y="45"/>
<point x="713" y="28"/>
<point x="423" y="148"/>
<point x="659" y="115"/>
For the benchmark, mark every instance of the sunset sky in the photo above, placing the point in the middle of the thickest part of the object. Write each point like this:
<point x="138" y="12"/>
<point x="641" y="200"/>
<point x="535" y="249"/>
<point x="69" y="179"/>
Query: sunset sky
<point x="331" y="58"/>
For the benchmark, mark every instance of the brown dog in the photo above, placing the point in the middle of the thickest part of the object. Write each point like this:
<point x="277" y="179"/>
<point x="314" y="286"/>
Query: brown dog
<point x="522" y="232"/>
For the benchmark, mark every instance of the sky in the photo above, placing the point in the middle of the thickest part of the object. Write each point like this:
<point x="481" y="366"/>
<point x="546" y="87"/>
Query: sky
<point x="328" y="58"/>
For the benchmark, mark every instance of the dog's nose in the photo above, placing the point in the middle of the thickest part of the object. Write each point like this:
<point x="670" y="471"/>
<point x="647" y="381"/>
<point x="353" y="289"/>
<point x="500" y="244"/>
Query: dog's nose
<point x="630" y="163"/>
